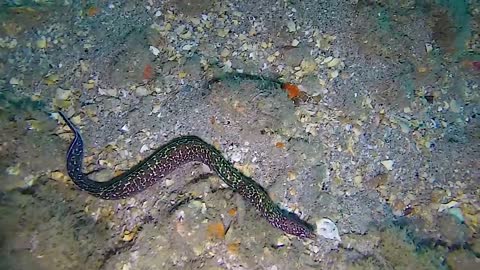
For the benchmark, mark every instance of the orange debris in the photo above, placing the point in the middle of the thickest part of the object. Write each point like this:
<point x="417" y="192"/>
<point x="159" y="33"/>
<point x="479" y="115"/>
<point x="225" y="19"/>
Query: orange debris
<point x="280" y="145"/>
<point x="232" y="212"/>
<point x="216" y="230"/>
<point x="148" y="72"/>
<point x="292" y="90"/>
<point x="233" y="248"/>
<point x="92" y="11"/>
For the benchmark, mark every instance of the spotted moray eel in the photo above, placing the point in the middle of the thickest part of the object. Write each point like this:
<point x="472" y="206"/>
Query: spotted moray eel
<point x="169" y="157"/>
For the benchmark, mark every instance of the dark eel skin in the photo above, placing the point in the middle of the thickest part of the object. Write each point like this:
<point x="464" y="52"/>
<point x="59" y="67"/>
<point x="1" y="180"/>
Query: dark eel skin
<point x="169" y="157"/>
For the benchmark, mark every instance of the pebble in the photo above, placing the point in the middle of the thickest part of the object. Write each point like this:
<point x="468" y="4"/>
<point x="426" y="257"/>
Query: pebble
<point x="125" y="128"/>
<point x="225" y="52"/>
<point x="236" y="157"/>
<point x="388" y="164"/>
<point x="14" y="81"/>
<point x="282" y="241"/>
<point x="308" y="66"/>
<point x="448" y="205"/>
<point x="41" y="43"/>
<point x="187" y="47"/>
<point x="327" y="229"/>
<point x="108" y="92"/>
<point x="327" y="60"/>
<point x="169" y="182"/>
<point x="63" y="94"/>
<point x="291" y="26"/>
<point x="154" y="50"/>
<point x="334" y="74"/>
<point x="14" y="170"/>
<point x="428" y="47"/>
<point x="454" y="106"/>
<point x="195" y="21"/>
<point x="141" y="91"/>
<point x="334" y="62"/>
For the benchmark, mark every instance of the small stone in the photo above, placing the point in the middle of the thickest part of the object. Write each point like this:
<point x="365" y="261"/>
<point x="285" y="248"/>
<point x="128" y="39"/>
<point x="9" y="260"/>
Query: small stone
<point x="357" y="180"/>
<point x="271" y="58"/>
<point x="308" y="66"/>
<point x="199" y="248"/>
<point x="195" y="21"/>
<point x="291" y="26"/>
<point x="154" y="50"/>
<point x="41" y="43"/>
<point x="77" y="120"/>
<point x="187" y="47"/>
<point x="295" y="43"/>
<point x="14" y="170"/>
<point x="108" y="92"/>
<point x="388" y="164"/>
<point x="182" y="74"/>
<point x="187" y="35"/>
<point x="63" y="94"/>
<point x="58" y="176"/>
<point x="282" y="241"/>
<point x="128" y="236"/>
<point x="428" y="47"/>
<point x="141" y="91"/>
<point x="448" y="205"/>
<point x="422" y="69"/>
<point x="169" y="182"/>
<point x="144" y="148"/>
<point x="89" y="85"/>
<point x="454" y="106"/>
<point x="333" y="63"/>
<point x="236" y="157"/>
<point x="14" y="81"/>
<point x="291" y="175"/>
<point x="30" y="180"/>
<point x="223" y="32"/>
<point x="327" y="229"/>
<point x="225" y="52"/>
<point x="334" y="74"/>
<point x="327" y="60"/>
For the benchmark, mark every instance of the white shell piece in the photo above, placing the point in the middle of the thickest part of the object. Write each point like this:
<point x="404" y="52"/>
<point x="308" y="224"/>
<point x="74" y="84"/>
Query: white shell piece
<point x="328" y="229"/>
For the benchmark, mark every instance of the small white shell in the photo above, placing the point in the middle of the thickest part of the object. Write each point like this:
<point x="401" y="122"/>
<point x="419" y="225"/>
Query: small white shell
<point x="328" y="229"/>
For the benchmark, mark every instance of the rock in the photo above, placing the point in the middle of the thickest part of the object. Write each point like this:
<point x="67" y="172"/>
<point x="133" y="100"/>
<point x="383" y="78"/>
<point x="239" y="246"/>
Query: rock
<point x="236" y="157"/>
<point x="63" y="94"/>
<point x="462" y="259"/>
<point x="291" y="26"/>
<point x="327" y="229"/>
<point x="453" y="232"/>
<point x="14" y="81"/>
<point x="388" y="164"/>
<point x="113" y="92"/>
<point x="154" y="50"/>
<point x="294" y="56"/>
<point x="41" y="43"/>
<point x="141" y="91"/>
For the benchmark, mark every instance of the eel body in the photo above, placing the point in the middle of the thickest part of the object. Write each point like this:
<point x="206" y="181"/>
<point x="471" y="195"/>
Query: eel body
<point x="169" y="157"/>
